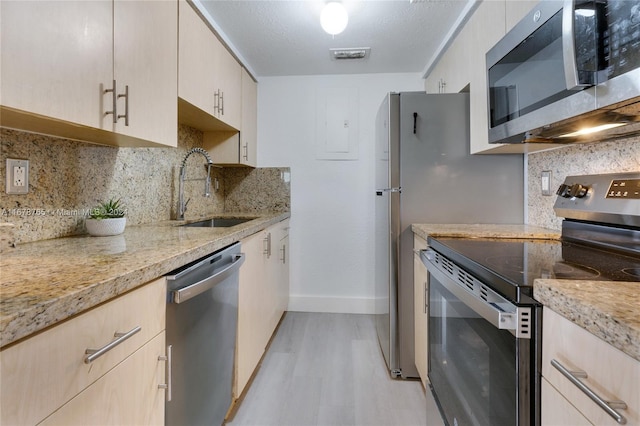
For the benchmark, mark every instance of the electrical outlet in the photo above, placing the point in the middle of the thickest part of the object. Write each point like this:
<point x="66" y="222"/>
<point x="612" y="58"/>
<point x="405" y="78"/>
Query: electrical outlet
<point x="17" y="176"/>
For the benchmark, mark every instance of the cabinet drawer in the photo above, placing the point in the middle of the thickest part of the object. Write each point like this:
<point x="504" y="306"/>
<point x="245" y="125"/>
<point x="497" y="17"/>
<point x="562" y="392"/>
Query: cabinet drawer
<point x="556" y="410"/>
<point x="611" y="374"/>
<point x="127" y="395"/>
<point x="43" y="372"/>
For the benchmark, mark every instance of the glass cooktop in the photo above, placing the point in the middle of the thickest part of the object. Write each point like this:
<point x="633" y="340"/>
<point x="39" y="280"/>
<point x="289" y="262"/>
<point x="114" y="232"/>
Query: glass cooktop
<point x="511" y="266"/>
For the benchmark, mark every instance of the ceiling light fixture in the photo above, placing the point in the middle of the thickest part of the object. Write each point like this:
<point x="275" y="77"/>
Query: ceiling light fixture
<point x="334" y="18"/>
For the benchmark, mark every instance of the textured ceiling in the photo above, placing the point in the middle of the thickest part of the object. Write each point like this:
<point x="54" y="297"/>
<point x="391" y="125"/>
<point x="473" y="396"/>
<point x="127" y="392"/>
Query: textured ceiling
<point x="280" y="37"/>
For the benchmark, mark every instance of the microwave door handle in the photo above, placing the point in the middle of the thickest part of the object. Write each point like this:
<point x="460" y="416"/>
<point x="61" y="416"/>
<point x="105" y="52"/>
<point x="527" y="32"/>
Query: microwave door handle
<point x="572" y="79"/>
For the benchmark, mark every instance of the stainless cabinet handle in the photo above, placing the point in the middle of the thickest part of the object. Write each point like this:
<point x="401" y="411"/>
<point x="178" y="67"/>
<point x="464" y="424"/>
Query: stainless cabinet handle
<point x="284" y="254"/>
<point x="114" y="105"/>
<point x="222" y="103"/>
<point x="267" y="245"/>
<point x="93" y="354"/>
<point x="126" y="105"/>
<point x="608" y="406"/>
<point x="167" y="385"/>
<point x="246" y="151"/>
<point x="218" y="103"/>
<point x="424" y="298"/>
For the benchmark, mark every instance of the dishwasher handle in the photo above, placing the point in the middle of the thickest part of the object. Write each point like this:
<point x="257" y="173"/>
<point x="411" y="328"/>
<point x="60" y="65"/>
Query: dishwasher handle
<point x="183" y="294"/>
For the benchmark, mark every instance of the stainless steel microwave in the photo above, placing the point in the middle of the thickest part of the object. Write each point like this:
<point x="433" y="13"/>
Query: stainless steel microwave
<point x="569" y="71"/>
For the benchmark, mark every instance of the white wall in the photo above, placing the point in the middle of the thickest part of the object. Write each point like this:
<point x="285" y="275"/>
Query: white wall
<point x="332" y="202"/>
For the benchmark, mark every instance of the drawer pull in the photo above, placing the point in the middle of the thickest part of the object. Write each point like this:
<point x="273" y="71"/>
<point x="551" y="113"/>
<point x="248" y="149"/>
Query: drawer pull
<point x="608" y="406"/>
<point x="93" y="354"/>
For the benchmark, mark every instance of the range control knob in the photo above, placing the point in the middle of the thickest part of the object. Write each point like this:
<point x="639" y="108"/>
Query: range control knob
<point x="578" y="190"/>
<point x="563" y="191"/>
<point x="572" y="191"/>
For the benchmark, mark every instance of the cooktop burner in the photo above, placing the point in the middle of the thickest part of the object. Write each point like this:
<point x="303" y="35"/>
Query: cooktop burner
<point x="515" y="264"/>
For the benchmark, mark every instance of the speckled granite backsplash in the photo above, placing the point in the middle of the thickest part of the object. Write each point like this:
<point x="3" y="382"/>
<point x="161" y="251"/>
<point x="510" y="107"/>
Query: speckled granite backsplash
<point x="66" y="178"/>
<point x="581" y="159"/>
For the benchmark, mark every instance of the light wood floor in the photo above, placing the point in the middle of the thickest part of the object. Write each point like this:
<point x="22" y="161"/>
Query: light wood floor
<point x="327" y="369"/>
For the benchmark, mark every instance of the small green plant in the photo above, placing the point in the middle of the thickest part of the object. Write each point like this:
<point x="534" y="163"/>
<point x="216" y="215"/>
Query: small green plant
<point x="108" y="210"/>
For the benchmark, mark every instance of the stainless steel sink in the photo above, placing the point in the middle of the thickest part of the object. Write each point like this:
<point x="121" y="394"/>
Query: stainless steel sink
<point x="222" y="222"/>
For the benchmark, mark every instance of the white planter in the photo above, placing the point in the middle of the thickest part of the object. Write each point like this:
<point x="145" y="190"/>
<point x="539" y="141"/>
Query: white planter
<point x="105" y="227"/>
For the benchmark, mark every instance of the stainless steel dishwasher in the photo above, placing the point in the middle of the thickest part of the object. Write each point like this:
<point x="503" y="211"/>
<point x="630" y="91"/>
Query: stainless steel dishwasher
<point x="202" y="316"/>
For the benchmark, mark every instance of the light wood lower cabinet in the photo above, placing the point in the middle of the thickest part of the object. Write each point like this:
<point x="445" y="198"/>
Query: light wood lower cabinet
<point x="610" y="373"/>
<point x="127" y="395"/>
<point x="557" y="411"/>
<point x="262" y="298"/>
<point x="420" y="311"/>
<point x="41" y="374"/>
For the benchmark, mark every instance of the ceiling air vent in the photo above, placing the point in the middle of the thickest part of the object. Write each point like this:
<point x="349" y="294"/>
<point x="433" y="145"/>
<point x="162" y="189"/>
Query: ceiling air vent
<point x="350" y="53"/>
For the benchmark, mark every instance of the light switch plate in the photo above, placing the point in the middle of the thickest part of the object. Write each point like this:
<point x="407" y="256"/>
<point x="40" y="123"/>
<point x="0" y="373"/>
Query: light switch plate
<point x="17" y="176"/>
<point x="545" y="182"/>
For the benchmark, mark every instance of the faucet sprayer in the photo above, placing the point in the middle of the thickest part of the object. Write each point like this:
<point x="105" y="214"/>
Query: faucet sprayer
<point x="182" y="206"/>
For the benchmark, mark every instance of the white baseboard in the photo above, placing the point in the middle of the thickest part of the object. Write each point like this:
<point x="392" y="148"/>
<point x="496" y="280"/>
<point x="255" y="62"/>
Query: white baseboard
<point x="342" y="305"/>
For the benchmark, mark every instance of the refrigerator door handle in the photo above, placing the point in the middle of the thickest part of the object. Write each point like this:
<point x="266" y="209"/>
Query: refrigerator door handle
<point x="380" y="191"/>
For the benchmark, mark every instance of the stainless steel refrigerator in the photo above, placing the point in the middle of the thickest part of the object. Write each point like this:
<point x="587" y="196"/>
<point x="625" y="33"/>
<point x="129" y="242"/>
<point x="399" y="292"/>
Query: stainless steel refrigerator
<point x="425" y="174"/>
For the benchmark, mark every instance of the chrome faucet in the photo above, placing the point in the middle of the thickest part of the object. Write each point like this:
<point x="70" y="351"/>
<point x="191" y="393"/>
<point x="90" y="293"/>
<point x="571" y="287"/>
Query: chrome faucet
<point x="182" y="205"/>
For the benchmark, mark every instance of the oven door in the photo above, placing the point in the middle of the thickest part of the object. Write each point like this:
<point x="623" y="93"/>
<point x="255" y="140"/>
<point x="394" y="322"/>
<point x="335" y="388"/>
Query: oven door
<point x="480" y="372"/>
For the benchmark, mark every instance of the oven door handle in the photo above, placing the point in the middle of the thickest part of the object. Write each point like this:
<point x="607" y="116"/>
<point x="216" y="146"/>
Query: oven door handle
<point x="507" y="316"/>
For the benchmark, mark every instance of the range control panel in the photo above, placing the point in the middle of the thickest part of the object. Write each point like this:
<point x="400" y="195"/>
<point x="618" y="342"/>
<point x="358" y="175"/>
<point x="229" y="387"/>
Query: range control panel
<point x="624" y="188"/>
<point x="608" y="198"/>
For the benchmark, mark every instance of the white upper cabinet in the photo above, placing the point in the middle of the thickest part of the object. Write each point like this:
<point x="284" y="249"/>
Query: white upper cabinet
<point x="197" y="59"/>
<point x="249" y="132"/>
<point x="55" y="57"/>
<point x="229" y="87"/>
<point x="209" y="77"/>
<point x="59" y="61"/>
<point x="229" y="148"/>
<point x="145" y="62"/>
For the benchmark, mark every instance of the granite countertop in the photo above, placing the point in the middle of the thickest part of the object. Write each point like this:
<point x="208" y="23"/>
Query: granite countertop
<point x="484" y="231"/>
<point x="45" y="282"/>
<point x="607" y="309"/>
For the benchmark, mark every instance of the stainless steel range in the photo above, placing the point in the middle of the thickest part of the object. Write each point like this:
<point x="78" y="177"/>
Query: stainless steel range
<point x="485" y="326"/>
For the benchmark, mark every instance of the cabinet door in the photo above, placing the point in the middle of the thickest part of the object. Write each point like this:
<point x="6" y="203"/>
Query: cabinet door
<point x="197" y="60"/>
<point x="249" y="129"/>
<point x="146" y="60"/>
<point x="283" y="277"/>
<point x="421" y="317"/>
<point x="229" y="82"/>
<point x="250" y="343"/>
<point x="55" y="57"/>
<point x="279" y="277"/>
<point x="127" y="395"/>
<point x="272" y="281"/>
